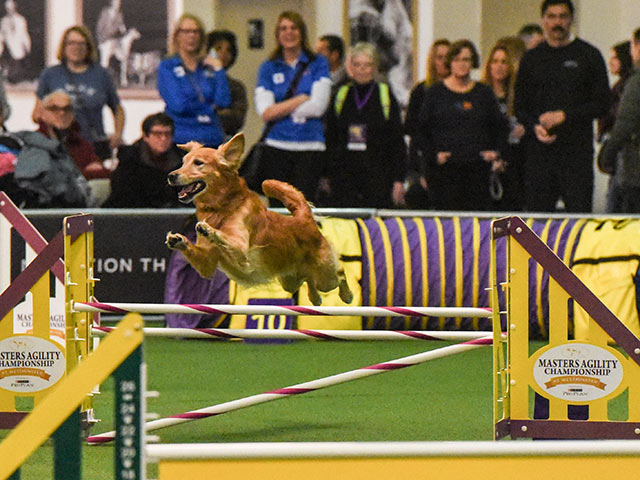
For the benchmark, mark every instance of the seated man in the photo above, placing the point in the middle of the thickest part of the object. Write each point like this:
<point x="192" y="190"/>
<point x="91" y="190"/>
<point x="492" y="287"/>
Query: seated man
<point x="58" y="123"/>
<point x="48" y="173"/>
<point x="140" y="179"/>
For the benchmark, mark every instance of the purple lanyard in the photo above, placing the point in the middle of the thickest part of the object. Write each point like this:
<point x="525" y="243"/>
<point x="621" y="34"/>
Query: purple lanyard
<point x="360" y="103"/>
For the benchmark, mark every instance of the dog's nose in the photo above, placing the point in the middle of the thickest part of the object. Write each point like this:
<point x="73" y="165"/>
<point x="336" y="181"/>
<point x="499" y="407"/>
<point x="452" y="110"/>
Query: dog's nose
<point x="172" y="178"/>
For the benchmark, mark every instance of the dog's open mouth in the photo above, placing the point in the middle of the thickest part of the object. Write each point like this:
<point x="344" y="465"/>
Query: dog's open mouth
<point x="188" y="192"/>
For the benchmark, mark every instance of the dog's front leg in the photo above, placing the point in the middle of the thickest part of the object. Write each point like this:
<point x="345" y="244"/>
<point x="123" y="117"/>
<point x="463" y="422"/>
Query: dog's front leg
<point x="232" y="248"/>
<point x="202" y="259"/>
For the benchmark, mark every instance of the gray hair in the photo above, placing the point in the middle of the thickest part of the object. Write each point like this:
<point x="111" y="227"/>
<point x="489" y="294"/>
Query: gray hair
<point x="365" y="48"/>
<point x="56" y="93"/>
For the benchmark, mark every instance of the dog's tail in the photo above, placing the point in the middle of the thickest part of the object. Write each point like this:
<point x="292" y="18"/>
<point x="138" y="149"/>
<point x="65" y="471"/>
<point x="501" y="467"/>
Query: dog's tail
<point x="291" y="197"/>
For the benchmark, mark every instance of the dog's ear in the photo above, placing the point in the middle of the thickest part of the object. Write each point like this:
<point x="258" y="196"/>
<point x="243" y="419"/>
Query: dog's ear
<point x="232" y="151"/>
<point x="189" y="146"/>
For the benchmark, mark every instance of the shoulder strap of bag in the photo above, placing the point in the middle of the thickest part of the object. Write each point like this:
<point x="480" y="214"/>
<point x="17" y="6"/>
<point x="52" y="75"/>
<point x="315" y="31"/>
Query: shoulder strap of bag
<point x="341" y="96"/>
<point x="290" y="91"/>
<point x="385" y="98"/>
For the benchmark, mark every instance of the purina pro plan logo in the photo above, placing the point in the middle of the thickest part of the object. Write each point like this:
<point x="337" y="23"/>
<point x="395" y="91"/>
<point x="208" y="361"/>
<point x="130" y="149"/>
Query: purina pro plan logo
<point x="577" y="372"/>
<point x="29" y="364"/>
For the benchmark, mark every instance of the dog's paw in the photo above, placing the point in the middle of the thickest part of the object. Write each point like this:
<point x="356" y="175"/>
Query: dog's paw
<point x="204" y="229"/>
<point x="175" y="241"/>
<point x="210" y="233"/>
<point x="346" y="295"/>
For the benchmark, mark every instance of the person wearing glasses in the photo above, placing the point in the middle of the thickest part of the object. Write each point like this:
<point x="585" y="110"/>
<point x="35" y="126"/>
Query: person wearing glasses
<point x="89" y="85"/>
<point x="461" y="132"/>
<point x="58" y="123"/>
<point x="193" y="85"/>
<point x="52" y="161"/>
<point x="140" y="179"/>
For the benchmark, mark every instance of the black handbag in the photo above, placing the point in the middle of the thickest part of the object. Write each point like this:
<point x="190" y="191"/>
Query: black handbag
<point x="605" y="161"/>
<point x="103" y="148"/>
<point x="252" y="168"/>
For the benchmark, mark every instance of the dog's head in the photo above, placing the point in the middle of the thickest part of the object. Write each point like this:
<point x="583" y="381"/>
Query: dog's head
<point x="207" y="169"/>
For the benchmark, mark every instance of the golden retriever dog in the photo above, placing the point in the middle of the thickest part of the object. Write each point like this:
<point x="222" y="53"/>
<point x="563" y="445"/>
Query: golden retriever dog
<point x="236" y="232"/>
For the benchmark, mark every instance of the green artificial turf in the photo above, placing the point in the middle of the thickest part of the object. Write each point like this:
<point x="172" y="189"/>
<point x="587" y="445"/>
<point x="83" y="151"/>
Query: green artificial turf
<point x="443" y="399"/>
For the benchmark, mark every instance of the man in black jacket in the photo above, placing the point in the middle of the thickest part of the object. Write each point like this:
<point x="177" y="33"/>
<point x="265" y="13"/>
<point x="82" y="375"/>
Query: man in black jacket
<point x="561" y="87"/>
<point x="140" y="179"/>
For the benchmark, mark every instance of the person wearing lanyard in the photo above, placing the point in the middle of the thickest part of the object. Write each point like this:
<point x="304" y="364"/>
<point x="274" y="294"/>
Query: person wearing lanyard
<point x="193" y="84"/>
<point x="365" y="138"/>
<point x="295" y="145"/>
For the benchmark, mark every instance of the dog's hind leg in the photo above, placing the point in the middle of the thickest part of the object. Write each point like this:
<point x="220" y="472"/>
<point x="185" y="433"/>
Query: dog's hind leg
<point x="314" y="295"/>
<point x="343" y="288"/>
<point x="290" y="283"/>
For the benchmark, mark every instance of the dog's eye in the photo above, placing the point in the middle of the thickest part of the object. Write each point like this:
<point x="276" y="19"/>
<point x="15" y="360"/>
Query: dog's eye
<point x="198" y="163"/>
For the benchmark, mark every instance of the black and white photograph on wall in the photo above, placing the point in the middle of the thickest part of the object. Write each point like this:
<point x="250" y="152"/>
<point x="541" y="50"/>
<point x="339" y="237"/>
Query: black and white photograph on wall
<point x="255" y="33"/>
<point x="131" y="39"/>
<point x="22" y="34"/>
<point x="388" y="24"/>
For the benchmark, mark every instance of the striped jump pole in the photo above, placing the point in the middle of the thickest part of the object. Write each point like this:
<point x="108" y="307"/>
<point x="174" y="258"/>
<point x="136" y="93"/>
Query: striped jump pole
<point x="302" y="388"/>
<point x="346" y="335"/>
<point x="293" y="310"/>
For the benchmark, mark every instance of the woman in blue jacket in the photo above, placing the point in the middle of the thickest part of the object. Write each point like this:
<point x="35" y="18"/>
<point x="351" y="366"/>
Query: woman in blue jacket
<point x="193" y="84"/>
<point x="295" y="144"/>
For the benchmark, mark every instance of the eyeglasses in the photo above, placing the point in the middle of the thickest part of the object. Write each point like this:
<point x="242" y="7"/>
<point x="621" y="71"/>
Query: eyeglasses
<point x="75" y="43"/>
<point x="187" y="31"/>
<point x="161" y="133"/>
<point x="462" y="59"/>
<point x="58" y="108"/>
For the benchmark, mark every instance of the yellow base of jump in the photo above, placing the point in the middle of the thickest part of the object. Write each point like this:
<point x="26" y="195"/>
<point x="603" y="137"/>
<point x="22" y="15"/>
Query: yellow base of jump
<point x="523" y="468"/>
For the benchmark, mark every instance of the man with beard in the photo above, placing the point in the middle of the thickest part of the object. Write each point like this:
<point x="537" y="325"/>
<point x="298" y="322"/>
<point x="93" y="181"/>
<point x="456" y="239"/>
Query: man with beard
<point x="561" y="87"/>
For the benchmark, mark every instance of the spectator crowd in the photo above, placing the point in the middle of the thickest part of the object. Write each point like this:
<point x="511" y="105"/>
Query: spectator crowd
<point x="517" y="137"/>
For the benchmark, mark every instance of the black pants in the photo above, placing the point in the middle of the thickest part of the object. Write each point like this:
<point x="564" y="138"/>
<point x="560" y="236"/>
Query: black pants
<point x="551" y="177"/>
<point x="300" y="169"/>
<point x="461" y="186"/>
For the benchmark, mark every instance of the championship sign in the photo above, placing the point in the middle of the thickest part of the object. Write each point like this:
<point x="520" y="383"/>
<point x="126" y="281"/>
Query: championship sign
<point x="30" y="364"/>
<point x="577" y="372"/>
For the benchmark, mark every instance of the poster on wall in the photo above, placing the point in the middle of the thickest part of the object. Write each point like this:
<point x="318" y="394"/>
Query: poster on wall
<point x="131" y="39"/>
<point x="388" y="24"/>
<point x="22" y="36"/>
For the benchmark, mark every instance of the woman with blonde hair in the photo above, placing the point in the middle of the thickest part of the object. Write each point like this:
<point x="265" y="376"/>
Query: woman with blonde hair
<point x="88" y="84"/>
<point x="292" y="93"/>
<point x="437" y="71"/>
<point x="499" y="73"/>
<point x="193" y="84"/>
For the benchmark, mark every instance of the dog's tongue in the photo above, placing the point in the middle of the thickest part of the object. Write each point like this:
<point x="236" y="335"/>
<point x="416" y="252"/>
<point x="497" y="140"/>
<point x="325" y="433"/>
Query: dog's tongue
<point x="186" y="191"/>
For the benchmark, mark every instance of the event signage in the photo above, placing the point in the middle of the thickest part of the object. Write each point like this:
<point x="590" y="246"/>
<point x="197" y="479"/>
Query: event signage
<point x="23" y="317"/>
<point x="577" y="372"/>
<point x="30" y="364"/>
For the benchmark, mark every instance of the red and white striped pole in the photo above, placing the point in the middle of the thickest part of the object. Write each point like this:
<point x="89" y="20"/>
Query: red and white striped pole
<point x="342" y="335"/>
<point x="302" y="388"/>
<point x="293" y="310"/>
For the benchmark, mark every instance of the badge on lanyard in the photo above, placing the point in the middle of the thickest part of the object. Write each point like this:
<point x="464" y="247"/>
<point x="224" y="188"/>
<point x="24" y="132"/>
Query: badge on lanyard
<point x="357" y="137"/>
